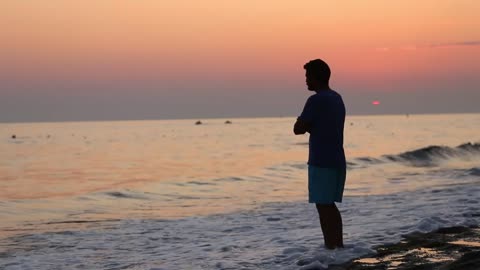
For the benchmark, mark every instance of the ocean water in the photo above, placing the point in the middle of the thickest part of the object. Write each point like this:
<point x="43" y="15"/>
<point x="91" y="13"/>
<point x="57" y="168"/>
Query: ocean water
<point x="174" y="195"/>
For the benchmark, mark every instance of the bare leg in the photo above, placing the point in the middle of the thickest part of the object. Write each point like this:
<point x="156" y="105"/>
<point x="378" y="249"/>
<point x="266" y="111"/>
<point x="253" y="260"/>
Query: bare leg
<point x="331" y="224"/>
<point x="326" y="225"/>
<point x="338" y="227"/>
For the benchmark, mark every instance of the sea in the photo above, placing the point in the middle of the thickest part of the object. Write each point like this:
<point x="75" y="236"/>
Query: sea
<point x="224" y="194"/>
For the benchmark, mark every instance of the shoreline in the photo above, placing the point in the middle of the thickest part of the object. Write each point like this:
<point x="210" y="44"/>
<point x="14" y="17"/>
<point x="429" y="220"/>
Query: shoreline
<point x="449" y="248"/>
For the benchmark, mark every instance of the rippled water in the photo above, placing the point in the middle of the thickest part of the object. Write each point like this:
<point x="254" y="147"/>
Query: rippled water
<point x="174" y="195"/>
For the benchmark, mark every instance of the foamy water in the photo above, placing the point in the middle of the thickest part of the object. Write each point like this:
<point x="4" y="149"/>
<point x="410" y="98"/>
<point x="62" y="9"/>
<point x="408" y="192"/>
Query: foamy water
<point x="172" y="195"/>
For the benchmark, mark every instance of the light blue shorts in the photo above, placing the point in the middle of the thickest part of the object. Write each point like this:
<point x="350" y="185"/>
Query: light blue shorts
<point x="325" y="185"/>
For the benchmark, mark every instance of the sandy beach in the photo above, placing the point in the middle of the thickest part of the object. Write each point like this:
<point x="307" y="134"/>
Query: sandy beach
<point x="453" y="248"/>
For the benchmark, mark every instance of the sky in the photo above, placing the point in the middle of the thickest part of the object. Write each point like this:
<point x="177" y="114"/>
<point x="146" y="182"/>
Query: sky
<point x="138" y="59"/>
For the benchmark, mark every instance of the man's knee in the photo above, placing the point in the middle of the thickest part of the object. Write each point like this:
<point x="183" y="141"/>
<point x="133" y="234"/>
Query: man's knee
<point x="324" y="207"/>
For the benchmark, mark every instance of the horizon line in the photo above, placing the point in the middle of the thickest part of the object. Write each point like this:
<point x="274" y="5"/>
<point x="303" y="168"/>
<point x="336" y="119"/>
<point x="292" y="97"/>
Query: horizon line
<point x="215" y="118"/>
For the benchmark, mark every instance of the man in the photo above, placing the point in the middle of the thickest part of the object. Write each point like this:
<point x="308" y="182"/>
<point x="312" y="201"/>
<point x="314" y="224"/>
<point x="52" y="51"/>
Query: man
<point x="323" y="117"/>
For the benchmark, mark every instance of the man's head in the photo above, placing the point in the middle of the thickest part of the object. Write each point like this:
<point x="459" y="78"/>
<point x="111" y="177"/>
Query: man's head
<point x="317" y="74"/>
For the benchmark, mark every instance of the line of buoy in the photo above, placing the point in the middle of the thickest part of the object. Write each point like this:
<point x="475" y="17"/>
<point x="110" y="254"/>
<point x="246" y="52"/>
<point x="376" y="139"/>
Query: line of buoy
<point x="200" y="122"/>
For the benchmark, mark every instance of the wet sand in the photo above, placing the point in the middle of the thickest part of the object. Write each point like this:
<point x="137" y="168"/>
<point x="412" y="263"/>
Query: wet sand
<point x="451" y="248"/>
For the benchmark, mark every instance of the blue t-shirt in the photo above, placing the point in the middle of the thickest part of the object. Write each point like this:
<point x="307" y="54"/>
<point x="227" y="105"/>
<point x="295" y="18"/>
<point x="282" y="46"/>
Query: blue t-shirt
<point x="325" y="112"/>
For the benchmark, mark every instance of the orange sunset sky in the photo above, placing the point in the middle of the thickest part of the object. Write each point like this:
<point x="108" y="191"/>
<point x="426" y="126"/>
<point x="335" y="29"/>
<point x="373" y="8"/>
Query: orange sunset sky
<point x="110" y="59"/>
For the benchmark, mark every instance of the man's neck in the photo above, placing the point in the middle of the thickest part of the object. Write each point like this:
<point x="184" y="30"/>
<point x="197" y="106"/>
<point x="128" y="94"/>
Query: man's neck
<point x="322" y="88"/>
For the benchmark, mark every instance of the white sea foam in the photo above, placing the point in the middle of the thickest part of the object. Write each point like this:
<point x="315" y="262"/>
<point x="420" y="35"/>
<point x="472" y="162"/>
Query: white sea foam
<point x="273" y="236"/>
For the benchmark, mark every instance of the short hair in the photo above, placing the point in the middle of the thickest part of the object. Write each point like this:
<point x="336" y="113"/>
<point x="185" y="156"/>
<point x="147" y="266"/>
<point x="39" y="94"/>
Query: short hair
<point x="318" y="69"/>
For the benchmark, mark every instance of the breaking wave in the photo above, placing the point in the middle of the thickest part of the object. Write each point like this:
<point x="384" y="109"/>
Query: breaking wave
<point x="428" y="156"/>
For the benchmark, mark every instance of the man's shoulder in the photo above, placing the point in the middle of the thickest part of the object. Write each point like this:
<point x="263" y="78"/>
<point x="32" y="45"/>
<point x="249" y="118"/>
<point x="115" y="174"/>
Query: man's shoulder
<point x="325" y="95"/>
<point x="332" y="93"/>
<point x="313" y="98"/>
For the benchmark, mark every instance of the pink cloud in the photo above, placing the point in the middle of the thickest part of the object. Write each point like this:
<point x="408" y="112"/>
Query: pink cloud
<point x="473" y="43"/>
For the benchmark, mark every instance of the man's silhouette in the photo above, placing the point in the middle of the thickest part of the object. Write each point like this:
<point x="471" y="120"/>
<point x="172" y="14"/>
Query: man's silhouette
<point x="323" y="117"/>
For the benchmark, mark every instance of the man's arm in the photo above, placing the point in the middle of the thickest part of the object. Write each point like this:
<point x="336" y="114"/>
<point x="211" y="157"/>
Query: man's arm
<point x="301" y="127"/>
